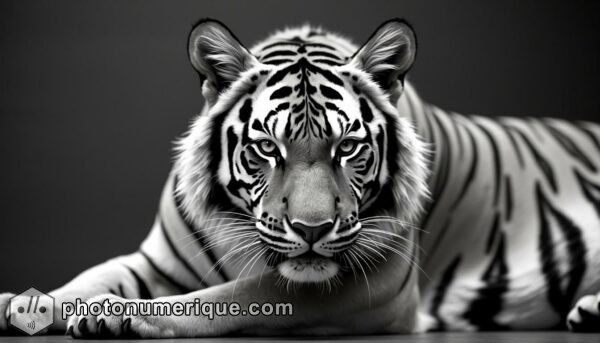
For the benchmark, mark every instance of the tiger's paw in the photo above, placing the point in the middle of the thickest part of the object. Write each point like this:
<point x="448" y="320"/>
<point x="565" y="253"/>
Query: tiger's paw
<point x="4" y="312"/>
<point x="425" y="323"/>
<point x="108" y="325"/>
<point x="585" y="315"/>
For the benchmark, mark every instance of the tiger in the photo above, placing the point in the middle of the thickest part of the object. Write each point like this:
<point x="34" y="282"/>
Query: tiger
<point x="315" y="175"/>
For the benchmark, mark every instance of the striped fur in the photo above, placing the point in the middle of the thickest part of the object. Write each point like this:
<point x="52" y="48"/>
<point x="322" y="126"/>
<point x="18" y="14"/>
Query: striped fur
<point x="435" y="220"/>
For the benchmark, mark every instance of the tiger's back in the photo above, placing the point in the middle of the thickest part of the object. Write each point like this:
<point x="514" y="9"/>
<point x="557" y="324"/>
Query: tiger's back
<point x="513" y="232"/>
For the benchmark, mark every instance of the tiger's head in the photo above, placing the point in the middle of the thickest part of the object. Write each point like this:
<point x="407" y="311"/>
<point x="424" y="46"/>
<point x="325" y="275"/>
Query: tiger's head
<point x="301" y="134"/>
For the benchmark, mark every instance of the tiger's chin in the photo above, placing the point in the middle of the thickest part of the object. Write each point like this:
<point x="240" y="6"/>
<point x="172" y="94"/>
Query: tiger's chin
<point x="308" y="269"/>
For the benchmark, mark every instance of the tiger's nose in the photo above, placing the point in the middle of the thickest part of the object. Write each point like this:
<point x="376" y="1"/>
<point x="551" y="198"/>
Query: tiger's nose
<point x="312" y="233"/>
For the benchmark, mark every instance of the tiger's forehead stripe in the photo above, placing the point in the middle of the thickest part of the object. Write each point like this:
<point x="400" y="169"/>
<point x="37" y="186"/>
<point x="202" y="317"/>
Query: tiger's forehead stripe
<point x="295" y="48"/>
<point x="303" y="70"/>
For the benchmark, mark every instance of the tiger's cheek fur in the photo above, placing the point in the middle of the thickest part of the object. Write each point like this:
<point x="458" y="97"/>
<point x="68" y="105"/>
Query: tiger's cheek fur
<point x="274" y="203"/>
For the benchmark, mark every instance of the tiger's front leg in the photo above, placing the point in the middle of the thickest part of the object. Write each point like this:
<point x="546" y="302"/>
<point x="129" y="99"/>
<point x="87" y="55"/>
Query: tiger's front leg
<point x="122" y="276"/>
<point x="388" y="305"/>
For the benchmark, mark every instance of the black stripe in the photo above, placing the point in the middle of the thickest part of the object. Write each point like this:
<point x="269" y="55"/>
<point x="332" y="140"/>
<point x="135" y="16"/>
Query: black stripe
<point x="280" y="107"/>
<point x="515" y="146"/>
<point x="380" y="139"/>
<point x="355" y="127"/>
<point x="246" y="164"/>
<point x="493" y="233"/>
<point x="547" y="256"/>
<point x="323" y="54"/>
<point x="489" y="300"/>
<point x="143" y="291"/>
<point x="278" y="62"/>
<point x="590" y="190"/>
<point x="542" y="163"/>
<point x="508" y="198"/>
<point x="274" y="238"/>
<point x="330" y="93"/>
<point x="319" y="45"/>
<point x="496" y="155"/>
<point x="246" y="110"/>
<point x="198" y="236"/>
<point x="217" y="195"/>
<point x="280" y="74"/>
<point x="368" y="165"/>
<point x="179" y="257"/>
<point x="281" y="93"/>
<point x="471" y="173"/>
<point x="301" y="64"/>
<point x="365" y="110"/>
<point x="279" y="53"/>
<point x="582" y="127"/>
<point x="444" y="144"/>
<point x="560" y="299"/>
<point x="441" y="290"/>
<point x="182" y="288"/>
<point x="328" y="62"/>
<point x="331" y="77"/>
<point x="570" y="147"/>
<point x="345" y="239"/>
<point x="331" y="106"/>
<point x="257" y="125"/>
<point x="236" y="185"/>
<point x="279" y="44"/>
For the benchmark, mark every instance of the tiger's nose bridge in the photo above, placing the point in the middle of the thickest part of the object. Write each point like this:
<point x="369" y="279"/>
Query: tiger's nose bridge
<point x="311" y="199"/>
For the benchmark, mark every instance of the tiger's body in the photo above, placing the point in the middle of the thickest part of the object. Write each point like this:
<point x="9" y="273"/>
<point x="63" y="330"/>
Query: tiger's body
<point x="466" y="222"/>
<point x="515" y="207"/>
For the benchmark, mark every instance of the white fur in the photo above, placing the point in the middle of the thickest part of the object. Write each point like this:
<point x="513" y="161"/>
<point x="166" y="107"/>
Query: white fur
<point x="308" y="270"/>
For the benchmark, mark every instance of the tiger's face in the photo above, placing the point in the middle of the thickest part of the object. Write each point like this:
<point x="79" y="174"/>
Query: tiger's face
<point x="304" y="155"/>
<point x="306" y="141"/>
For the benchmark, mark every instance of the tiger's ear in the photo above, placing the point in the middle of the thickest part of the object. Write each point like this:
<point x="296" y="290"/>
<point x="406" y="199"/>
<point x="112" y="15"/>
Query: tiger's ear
<point x="217" y="55"/>
<point x="388" y="54"/>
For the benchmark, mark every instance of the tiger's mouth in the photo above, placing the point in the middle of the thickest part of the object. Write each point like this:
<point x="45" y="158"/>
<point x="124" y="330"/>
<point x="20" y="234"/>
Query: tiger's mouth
<point x="309" y="267"/>
<point x="308" y="254"/>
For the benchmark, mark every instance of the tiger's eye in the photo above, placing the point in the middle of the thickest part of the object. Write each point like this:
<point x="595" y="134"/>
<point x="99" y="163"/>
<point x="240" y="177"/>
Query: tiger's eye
<point x="347" y="146"/>
<point x="267" y="147"/>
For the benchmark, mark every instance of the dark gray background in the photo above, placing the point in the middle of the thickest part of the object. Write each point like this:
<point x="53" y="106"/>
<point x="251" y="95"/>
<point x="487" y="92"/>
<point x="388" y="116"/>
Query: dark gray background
<point x="92" y="95"/>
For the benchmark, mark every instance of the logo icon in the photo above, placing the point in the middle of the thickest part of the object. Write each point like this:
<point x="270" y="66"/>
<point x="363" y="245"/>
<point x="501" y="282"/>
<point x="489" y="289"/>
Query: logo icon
<point x="31" y="311"/>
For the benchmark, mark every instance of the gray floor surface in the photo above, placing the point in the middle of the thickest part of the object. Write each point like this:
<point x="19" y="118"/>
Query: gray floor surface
<point x="488" y="337"/>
